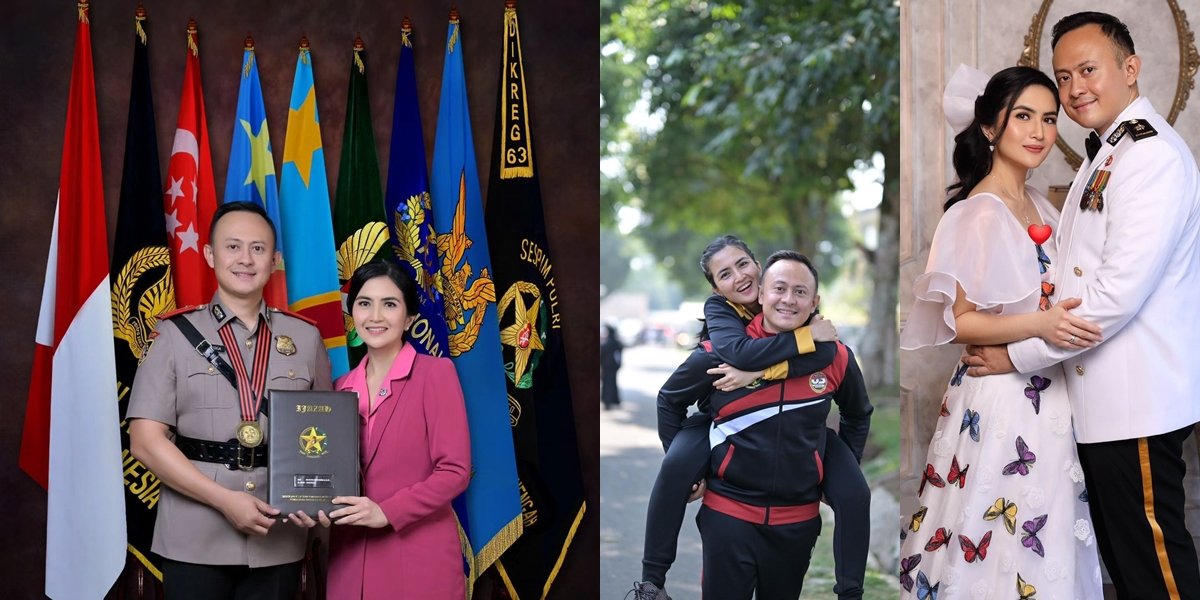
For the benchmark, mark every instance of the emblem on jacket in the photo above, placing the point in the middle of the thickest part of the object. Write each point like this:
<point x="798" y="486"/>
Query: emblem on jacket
<point x="818" y="381"/>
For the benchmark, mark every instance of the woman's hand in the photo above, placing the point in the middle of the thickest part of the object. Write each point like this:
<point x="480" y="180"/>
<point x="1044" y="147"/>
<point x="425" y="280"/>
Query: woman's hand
<point x="1065" y="330"/>
<point x="731" y="378"/>
<point x="361" y="510"/>
<point x="301" y="519"/>
<point x="822" y="330"/>
<point x="697" y="491"/>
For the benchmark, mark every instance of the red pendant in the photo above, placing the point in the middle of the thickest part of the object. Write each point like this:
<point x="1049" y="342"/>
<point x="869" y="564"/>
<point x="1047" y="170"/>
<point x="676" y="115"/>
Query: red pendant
<point x="1039" y="233"/>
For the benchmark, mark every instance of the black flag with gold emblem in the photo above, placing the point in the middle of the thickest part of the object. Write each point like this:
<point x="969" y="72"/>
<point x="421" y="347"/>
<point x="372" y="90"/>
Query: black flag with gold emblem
<point x="141" y="284"/>
<point x="539" y="394"/>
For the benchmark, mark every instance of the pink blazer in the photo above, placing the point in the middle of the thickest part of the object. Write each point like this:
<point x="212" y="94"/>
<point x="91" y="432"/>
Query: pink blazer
<point x="417" y="459"/>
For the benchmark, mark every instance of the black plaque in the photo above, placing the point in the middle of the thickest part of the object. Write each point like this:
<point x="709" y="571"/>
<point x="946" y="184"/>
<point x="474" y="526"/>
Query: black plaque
<point x="313" y="443"/>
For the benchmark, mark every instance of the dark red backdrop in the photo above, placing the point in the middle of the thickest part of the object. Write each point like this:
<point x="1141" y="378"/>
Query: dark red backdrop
<point x="561" y="51"/>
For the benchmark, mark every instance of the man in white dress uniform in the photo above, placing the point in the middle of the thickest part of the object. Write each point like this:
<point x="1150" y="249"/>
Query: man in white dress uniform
<point x="1129" y="246"/>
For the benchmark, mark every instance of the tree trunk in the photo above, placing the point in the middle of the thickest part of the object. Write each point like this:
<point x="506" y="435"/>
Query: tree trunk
<point x="878" y="352"/>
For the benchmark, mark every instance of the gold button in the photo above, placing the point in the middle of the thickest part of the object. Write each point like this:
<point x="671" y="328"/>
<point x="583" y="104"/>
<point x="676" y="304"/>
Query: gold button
<point x="291" y="374"/>
<point x="1078" y="272"/>
<point x="212" y="370"/>
<point x="249" y="343"/>
<point x="1079" y="369"/>
<point x="250" y="486"/>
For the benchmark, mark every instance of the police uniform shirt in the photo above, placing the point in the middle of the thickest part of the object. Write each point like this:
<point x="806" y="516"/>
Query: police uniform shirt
<point x="178" y="387"/>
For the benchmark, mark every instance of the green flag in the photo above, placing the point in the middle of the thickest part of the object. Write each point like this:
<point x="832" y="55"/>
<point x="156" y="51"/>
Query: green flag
<point x="359" y="225"/>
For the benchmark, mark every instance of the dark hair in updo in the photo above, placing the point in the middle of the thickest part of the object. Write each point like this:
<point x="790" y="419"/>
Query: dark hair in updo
<point x="391" y="270"/>
<point x="972" y="158"/>
<point x="716" y="246"/>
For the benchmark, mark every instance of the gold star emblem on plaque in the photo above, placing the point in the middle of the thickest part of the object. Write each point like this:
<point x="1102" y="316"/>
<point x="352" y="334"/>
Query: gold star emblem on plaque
<point x="522" y="335"/>
<point x="311" y="442"/>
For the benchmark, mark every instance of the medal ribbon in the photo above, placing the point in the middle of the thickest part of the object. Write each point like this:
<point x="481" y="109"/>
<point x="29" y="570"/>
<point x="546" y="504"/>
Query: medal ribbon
<point x="250" y="391"/>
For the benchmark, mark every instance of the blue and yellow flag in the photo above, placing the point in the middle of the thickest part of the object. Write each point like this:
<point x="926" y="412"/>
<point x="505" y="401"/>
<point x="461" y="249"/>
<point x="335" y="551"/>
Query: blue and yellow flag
<point x="407" y="204"/>
<point x="490" y="510"/>
<point x="304" y="213"/>
<point x="251" y="175"/>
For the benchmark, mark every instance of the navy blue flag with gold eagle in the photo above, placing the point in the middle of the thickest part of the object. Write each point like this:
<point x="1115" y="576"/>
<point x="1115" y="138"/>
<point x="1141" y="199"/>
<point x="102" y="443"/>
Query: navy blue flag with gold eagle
<point x="141" y="285"/>
<point x="489" y="511"/>
<point x="539" y="394"/>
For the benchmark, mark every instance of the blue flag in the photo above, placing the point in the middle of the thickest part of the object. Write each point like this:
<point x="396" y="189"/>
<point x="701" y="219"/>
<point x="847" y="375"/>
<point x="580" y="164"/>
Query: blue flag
<point x="407" y="205"/>
<point x="490" y="509"/>
<point x="251" y="174"/>
<point x="304" y="211"/>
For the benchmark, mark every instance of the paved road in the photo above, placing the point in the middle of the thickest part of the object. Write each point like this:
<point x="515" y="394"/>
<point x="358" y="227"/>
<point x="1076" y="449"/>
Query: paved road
<point x="630" y="453"/>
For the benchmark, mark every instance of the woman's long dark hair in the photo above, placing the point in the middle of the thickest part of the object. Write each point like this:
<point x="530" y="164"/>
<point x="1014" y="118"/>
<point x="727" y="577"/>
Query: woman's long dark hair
<point x="972" y="158"/>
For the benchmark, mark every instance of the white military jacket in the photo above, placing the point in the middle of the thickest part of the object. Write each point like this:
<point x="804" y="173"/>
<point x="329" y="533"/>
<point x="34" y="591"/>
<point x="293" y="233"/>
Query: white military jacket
<point x="1135" y="262"/>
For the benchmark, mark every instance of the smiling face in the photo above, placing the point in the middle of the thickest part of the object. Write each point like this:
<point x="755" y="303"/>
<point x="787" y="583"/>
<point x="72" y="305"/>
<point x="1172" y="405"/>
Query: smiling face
<point x="380" y="315"/>
<point x="1031" y="128"/>
<point x="242" y="254"/>
<point x="789" y="296"/>
<point x="735" y="275"/>
<point x="1095" y="82"/>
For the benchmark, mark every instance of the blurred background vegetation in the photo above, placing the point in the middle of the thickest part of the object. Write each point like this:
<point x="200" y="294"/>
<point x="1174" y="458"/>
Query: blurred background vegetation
<point x="775" y="121"/>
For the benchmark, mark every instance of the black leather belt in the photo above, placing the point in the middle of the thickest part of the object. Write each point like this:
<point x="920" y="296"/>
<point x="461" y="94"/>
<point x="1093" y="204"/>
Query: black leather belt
<point x="231" y="454"/>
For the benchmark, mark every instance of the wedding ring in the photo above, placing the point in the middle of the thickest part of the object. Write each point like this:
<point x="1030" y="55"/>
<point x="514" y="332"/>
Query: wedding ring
<point x="1072" y="340"/>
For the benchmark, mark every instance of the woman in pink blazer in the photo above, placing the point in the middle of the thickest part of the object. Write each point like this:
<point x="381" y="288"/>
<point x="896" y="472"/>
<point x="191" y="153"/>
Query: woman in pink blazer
<point x="400" y="538"/>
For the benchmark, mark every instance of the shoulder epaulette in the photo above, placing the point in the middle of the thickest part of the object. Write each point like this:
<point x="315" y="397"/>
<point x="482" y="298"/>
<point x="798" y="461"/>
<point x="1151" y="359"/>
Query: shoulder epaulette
<point x="1138" y="129"/>
<point x="289" y="313"/>
<point x="180" y="311"/>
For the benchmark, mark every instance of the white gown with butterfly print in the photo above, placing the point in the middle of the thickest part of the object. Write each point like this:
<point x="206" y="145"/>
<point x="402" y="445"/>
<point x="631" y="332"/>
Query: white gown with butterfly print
<point x="1003" y="510"/>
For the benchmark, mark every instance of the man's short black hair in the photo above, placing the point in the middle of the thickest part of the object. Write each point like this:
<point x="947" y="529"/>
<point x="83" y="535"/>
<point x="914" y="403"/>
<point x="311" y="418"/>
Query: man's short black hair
<point x="1110" y="25"/>
<point x="229" y="207"/>
<point x="795" y="256"/>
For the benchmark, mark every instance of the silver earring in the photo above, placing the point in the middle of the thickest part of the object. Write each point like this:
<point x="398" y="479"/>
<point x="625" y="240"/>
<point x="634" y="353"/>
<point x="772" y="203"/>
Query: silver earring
<point x="991" y="147"/>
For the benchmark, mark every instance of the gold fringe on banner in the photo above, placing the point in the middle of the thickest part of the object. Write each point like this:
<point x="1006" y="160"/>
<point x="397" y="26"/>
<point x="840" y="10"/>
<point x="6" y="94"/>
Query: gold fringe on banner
<point x="453" y="38"/>
<point x="490" y="553"/>
<point x="358" y="62"/>
<point x="191" y="37"/>
<point x="83" y="11"/>
<point x="304" y="55"/>
<point x="249" y="63"/>
<point x="512" y="590"/>
<point x="138" y="17"/>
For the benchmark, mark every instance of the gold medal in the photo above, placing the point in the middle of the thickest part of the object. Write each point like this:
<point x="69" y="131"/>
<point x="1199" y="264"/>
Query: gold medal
<point x="249" y="434"/>
<point x="285" y="346"/>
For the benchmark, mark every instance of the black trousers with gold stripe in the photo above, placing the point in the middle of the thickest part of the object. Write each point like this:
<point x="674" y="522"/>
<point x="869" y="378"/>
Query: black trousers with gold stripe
<point x="1135" y="495"/>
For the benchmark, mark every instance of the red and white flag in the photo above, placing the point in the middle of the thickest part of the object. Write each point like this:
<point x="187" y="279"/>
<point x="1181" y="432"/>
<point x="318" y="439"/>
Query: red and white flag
<point x="190" y="198"/>
<point x="71" y="441"/>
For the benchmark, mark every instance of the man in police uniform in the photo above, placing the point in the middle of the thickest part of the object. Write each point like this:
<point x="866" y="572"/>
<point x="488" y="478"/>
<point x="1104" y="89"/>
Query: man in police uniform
<point x="1128" y="245"/>
<point x="203" y="437"/>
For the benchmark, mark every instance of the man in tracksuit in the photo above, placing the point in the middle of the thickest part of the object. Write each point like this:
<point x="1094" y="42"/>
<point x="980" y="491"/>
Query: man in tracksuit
<point x="760" y="520"/>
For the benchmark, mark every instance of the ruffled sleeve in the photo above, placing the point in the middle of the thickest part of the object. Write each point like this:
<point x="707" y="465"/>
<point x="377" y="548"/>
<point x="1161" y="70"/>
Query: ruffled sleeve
<point x="979" y="246"/>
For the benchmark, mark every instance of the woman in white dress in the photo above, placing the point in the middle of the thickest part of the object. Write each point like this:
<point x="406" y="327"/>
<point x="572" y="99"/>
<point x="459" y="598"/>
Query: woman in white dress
<point x="1003" y="510"/>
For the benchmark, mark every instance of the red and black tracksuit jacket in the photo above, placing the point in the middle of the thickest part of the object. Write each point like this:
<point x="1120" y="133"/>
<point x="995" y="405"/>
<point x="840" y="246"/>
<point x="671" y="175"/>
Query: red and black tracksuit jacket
<point x="767" y="442"/>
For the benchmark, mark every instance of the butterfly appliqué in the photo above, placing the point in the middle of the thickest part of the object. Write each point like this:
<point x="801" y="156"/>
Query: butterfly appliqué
<point x="1024" y="590"/>
<point x="1034" y="390"/>
<point x="940" y="538"/>
<point x="970" y="421"/>
<point x="1005" y="509"/>
<point x="958" y="374"/>
<point x="957" y="475"/>
<point x="1047" y="291"/>
<point x="1029" y="538"/>
<point x="924" y="590"/>
<point x="1024" y="462"/>
<point x="918" y="518"/>
<point x="906" y="567"/>
<point x="932" y="478"/>
<point x="972" y="552"/>
<point x="1043" y="259"/>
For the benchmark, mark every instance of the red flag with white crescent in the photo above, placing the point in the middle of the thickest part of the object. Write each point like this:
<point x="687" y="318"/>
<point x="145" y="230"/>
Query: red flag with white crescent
<point x="71" y="440"/>
<point x="190" y="197"/>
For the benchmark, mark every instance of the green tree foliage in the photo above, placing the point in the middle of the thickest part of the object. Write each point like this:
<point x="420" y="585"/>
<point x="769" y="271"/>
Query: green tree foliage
<point x="764" y="109"/>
